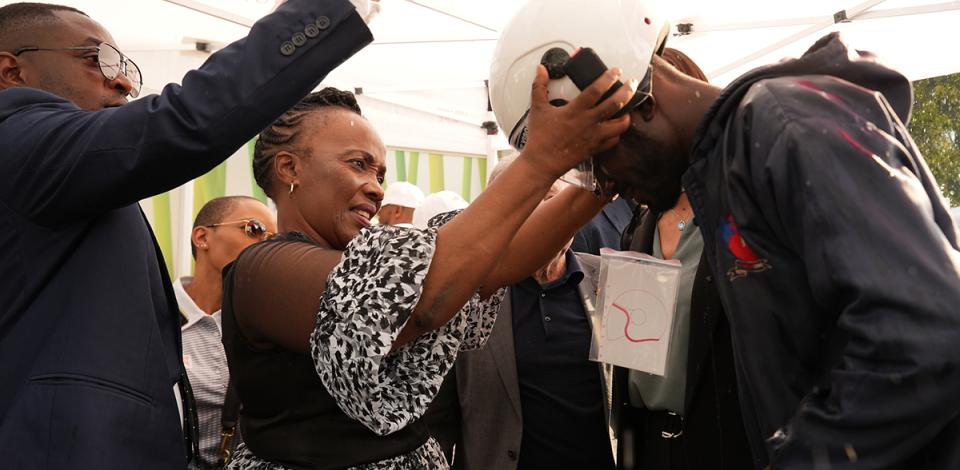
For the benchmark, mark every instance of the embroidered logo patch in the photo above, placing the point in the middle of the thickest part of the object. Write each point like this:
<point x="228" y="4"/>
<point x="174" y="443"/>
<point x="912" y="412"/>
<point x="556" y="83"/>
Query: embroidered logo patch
<point x="746" y="260"/>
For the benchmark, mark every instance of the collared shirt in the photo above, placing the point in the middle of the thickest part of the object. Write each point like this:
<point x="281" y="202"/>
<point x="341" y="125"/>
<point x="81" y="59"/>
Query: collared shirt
<point x="669" y="392"/>
<point x="560" y="391"/>
<point x="206" y="365"/>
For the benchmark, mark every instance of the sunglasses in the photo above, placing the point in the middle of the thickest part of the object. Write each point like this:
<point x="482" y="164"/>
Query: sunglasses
<point x="112" y="63"/>
<point x="252" y="227"/>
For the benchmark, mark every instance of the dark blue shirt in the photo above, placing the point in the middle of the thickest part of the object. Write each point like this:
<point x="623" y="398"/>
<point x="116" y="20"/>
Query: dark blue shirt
<point x="605" y="229"/>
<point x="560" y="393"/>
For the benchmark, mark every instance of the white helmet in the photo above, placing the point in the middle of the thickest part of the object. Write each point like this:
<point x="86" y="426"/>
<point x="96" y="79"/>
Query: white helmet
<point x="623" y="33"/>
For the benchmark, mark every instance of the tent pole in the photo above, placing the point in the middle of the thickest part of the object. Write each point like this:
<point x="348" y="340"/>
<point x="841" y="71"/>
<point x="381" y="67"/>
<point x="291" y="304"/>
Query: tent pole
<point x="214" y="12"/>
<point x="183" y="231"/>
<point x="852" y="13"/>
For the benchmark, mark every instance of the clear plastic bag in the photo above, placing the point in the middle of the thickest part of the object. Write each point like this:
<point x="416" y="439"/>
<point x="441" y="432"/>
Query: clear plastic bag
<point x="636" y="305"/>
<point x="582" y="175"/>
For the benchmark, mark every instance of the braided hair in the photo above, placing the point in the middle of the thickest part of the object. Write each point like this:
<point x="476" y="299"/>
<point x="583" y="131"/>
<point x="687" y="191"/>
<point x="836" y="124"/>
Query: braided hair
<point x="285" y="131"/>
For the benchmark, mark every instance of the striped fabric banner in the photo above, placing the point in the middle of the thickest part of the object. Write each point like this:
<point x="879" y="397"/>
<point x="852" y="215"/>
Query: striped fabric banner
<point x="436" y="172"/>
<point x="467" y="178"/>
<point x="401" y="166"/>
<point x="163" y="227"/>
<point x="413" y="167"/>
<point x="209" y="186"/>
<point x="482" y="164"/>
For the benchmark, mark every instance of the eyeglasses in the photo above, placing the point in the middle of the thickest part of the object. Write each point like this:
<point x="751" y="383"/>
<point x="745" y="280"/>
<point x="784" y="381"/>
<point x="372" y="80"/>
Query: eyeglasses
<point x="644" y="92"/>
<point x="252" y="227"/>
<point x="112" y="63"/>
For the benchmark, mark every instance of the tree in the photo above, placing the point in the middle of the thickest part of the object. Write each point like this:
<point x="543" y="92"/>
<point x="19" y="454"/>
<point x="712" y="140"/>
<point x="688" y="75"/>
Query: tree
<point x="935" y="127"/>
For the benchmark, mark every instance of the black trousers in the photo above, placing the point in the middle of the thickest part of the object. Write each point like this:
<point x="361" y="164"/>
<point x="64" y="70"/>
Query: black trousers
<point x="652" y="440"/>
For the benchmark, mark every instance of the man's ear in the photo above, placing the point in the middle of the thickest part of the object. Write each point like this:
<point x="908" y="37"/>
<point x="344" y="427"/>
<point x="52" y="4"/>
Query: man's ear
<point x="10" y="71"/>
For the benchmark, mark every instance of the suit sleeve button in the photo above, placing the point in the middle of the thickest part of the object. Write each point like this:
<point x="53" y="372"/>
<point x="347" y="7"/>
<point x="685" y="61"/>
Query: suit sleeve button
<point x="512" y="455"/>
<point x="299" y="39"/>
<point x="287" y="48"/>
<point x="311" y="30"/>
<point x="323" y="23"/>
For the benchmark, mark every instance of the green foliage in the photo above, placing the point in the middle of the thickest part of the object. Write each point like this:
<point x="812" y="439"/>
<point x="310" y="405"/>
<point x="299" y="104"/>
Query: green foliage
<point x="935" y="126"/>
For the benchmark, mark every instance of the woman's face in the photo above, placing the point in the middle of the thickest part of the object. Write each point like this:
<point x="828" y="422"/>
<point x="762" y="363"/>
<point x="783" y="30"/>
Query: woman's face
<point x="340" y="173"/>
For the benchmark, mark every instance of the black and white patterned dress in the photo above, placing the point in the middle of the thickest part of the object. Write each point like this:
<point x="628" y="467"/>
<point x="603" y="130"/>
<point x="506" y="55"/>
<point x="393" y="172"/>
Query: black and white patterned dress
<point x="369" y="296"/>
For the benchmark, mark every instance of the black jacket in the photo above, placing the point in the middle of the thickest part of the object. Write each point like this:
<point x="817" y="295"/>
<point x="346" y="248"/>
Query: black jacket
<point x="89" y="331"/>
<point x="837" y="265"/>
<point x="713" y="436"/>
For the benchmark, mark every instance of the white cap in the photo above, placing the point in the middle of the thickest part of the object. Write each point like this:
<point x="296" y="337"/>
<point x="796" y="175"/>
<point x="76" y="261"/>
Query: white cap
<point x="437" y="203"/>
<point x="623" y="33"/>
<point x="403" y="194"/>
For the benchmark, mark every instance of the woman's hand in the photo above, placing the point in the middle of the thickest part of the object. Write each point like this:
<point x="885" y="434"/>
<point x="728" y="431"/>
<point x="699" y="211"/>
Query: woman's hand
<point x="561" y="137"/>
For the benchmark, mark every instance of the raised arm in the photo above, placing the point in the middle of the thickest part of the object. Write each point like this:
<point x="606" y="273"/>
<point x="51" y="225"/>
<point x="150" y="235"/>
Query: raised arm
<point x="552" y="224"/>
<point x="66" y="163"/>
<point x="471" y="245"/>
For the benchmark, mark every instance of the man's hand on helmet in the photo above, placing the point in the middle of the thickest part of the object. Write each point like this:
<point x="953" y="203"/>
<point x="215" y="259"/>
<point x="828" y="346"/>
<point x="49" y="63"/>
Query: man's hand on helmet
<point x="560" y="137"/>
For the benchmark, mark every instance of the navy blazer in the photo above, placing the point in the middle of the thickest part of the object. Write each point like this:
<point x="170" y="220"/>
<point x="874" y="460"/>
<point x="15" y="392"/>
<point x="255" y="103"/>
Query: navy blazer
<point x="604" y="230"/>
<point x="89" y="337"/>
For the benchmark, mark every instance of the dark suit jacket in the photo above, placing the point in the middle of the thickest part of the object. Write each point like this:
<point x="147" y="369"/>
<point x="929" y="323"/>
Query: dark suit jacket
<point x="89" y="333"/>
<point x="604" y="229"/>
<point x="713" y="434"/>
<point x="489" y="393"/>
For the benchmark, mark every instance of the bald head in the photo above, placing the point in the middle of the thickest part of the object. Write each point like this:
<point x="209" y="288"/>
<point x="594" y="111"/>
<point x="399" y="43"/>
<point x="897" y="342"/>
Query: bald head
<point x="22" y="24"/>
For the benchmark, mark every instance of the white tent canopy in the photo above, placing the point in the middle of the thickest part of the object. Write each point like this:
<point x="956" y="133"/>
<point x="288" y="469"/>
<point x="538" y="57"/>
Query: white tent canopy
<point x="431" y="57"/>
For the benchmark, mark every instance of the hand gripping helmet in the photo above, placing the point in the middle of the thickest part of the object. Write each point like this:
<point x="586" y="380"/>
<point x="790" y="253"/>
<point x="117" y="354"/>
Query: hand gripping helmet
<point x="622" y="33"/>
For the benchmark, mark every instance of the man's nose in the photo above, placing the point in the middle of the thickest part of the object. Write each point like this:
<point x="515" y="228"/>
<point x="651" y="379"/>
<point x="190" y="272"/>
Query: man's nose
<point x="122" y="84"/>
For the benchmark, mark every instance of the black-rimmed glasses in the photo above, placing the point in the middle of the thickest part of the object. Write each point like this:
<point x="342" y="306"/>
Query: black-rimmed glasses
<point x="112" y="63"/>
<point x="252" y="227"/>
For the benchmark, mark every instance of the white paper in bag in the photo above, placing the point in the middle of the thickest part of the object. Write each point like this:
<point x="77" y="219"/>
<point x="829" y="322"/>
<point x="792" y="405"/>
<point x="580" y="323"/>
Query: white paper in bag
<point x="636" y="304"/>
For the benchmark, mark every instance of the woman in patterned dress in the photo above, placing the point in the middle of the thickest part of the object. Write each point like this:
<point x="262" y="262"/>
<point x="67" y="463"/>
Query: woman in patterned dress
<point x="339" y="333"/>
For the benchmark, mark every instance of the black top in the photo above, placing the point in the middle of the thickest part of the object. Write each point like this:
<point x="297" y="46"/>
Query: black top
<point x="563" y="424"/>
<point x="288" y="416"/>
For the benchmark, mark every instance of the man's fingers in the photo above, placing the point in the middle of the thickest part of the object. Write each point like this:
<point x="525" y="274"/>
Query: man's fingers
<point x="538" y="95"/>
<point x="589" y="97"/>
<point x="613" y="127"/>
<point x="608" y="143"/>
<point x="617" y="101"/>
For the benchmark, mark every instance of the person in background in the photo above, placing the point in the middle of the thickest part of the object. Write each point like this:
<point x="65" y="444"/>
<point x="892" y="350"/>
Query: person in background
<point x="223" y="228"/>
<point x="437" y="203"/>
<point x="89" y="329"/>
<point x="400" y="200"/>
